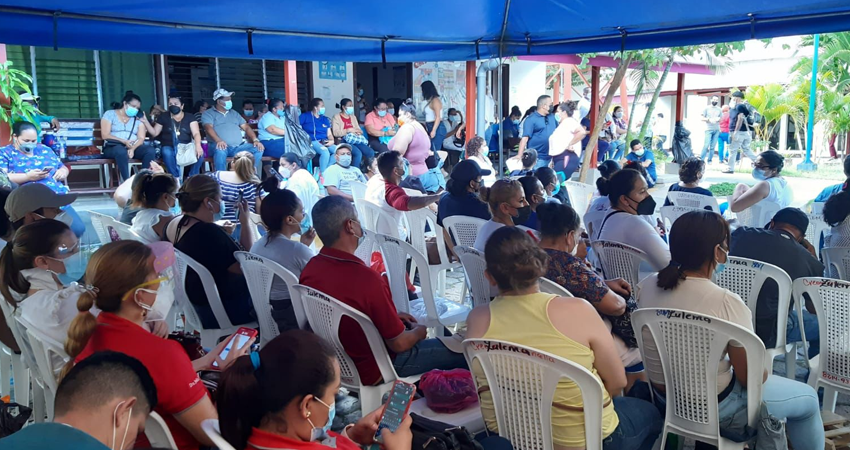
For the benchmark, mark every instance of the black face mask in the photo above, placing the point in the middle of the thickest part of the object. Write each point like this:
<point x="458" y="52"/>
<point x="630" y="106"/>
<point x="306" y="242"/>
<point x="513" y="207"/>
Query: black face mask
<point x="645" y="207"/>
<point x="713" y="103"/>
<point x="174" y="109"/>
<point x="524" y="214"/>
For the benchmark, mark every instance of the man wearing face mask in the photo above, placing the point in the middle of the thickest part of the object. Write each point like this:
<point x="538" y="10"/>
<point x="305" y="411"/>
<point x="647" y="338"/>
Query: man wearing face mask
<point x="337" y="176"/>
<point x="224" y="128"/>
<point x="740" y="135"/>
<point x="711" y="116"/>
<point x="248" y="112"/>
<point x="102" y="403"/>
<point x="272" y="129"/>
<point x="36" y="201"/>
<point x="645" y="158"/>
<point x="395" y="200"/>
<point x="537" y="129"/>
<point x="39" y="117"/>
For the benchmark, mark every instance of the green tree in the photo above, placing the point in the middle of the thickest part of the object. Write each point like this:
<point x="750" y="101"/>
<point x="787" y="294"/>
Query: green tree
<point x="773" y="101"/>
<point x="13" y="82"/>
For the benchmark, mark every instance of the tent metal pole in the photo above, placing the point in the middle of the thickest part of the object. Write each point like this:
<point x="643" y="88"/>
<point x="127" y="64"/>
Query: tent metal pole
<point x="808" y="164"/>
<point x="163" y="80"/>
<point x="501" y="123"/>
<point x="217" y="76"/>
<point x="32" y="69"/>
<point x="99" y="82"/>
<point x="265" y="81"/>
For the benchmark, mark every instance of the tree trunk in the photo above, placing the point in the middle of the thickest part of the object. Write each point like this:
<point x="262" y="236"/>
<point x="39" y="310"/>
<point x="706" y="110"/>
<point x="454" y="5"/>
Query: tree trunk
<point x="647" y="119"/>
<point x="600" y="118"/>
<point x="638" y="92"/>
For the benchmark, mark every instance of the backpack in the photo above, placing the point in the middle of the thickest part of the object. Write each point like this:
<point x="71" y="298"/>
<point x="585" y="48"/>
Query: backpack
<point x="430" y="434"/>
<point x="754" y="117"/>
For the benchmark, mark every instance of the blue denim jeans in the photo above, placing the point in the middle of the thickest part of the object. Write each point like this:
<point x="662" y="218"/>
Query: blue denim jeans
<point x="427" y="355"/>
<point x="220" y="156"/>
<point x="169" y="156"/>
<point x="810" y="325"/>
<point x="275" y="148"/>
<point x="616" y="150"/>
<point x="324" y="154"/>
<point x="640" y="425"/>
<point x="360" y="151"/>
<point x="542" y="161"/>
<point x="710" y="142"/>
<point x="786" y="399"/>
<point x="722" y="140"/>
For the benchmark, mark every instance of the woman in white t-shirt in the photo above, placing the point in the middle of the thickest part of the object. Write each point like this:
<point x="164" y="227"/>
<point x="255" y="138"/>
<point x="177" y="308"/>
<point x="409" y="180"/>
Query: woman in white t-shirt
<point x="505" y="199"/>
<point x="565" y="141"/>
<point x="283" y="215"/>
<point x="156" y="195"/>
<point x="771" y="186"/>
<point x="700" y="249"/>
<point x="477" y="150"/>
<point x="299" y="181"/>
<point x="627" y="192"/>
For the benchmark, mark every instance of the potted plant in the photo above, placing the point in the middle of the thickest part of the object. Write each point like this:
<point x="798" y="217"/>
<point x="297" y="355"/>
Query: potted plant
<point x="13" y="83"/>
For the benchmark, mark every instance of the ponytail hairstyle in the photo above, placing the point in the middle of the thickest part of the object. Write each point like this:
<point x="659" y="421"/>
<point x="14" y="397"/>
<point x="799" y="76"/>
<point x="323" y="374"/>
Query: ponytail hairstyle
<point x="515" y="112"/>
<point x="692" y="245"/>
<point x="150" y="187"/>
<point x="195" y="190"/>
<point x="276" y="207"/>
<point x="40" y="238"/>
<point x="607" y="169"/>
<point x="529" y="158"/>
<point x="514" y="260"/>
<point x="129" y="96"/>
<point x="343" y="104"/>
<point x="837" y="207"/>
<point x="112" y="271"/>
<point x="291" y="366"/>
<point x="568" y="107"/>
<point x="243" y="165"/>
<point x="502" y="191"/>
<point x="774" y="160"/>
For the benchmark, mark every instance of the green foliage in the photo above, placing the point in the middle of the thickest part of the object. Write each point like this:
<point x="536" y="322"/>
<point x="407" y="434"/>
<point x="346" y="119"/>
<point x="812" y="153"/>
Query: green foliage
<point x="722" y="189"/>
<point x="13" y="82"/>
<point x="773" y="101"/>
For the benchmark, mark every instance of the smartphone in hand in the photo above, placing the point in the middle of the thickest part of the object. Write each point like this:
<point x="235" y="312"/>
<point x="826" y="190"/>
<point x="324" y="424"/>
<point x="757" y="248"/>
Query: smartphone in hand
<point x="396" y="407"/>
<point x="242" y="336"/>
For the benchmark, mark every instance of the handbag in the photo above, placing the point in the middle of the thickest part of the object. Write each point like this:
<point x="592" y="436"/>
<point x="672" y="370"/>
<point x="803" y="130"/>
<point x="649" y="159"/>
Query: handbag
<point x="430" y="434"/>
<point x="354" y="138"/>
<point x="186" y="155"/>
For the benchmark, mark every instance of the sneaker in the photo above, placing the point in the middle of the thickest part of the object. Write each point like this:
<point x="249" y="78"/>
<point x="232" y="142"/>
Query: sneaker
<point x="727" y="171"/>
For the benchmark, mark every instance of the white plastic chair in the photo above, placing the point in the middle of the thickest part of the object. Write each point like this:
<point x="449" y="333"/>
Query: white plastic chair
<point x="367" y="246"/>
<point x="42" y="395"/>
<point x="157" y="432"/>
<point x="395" y="253"/>
<point x="669" y="214"/>
<point x="376" y="219"/>
<point x="692" y="200"/>
<point x="550" y="287"/>
<point x="256" y="224"/>
<point x="758" y="215"/>
<point x="580" y="195"/>
<point x="211" y="428"/>
<point x="97" y="222"/>
<point x="522" y="383"/>
<point x="260" y="274"/>
<point x="358" y="190"/>
<point x="125" y="232"/>
<point x="817" y="207"/>
<point x="45" y="351"/>
<point x="417" y="220"/>
<point x="474" y="265"/>
<point x="837" y="260"/>
<point x="816" y="228"/>
<point x="690" y="347"/>
<point x="746" y="277"/>
<point x="831" y="368"/>
<point x="324" y="314"/>
<point x="619" y="261"/>
<point x="529" y="231"/>
<point x="20" y="364"/>
<point x="463" y="229"/>
<point x="209" y="336"/>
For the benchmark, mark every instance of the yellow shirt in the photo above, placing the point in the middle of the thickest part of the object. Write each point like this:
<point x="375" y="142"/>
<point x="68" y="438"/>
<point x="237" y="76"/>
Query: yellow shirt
<point x="523" y="319"/>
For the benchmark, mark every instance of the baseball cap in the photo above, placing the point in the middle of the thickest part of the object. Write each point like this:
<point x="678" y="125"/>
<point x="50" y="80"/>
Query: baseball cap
<point x="467" y="170"/>
<point x="219" y="93"/>
<point x="27" y="97"/>
<point x="34" y="196"/>
<point x="794" y="217"/>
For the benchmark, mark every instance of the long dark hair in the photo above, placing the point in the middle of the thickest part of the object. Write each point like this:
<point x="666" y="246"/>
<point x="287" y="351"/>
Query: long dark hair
<point x="692" y="244"/>
<point x="291" y="366"/>
<point x="129" y="96"/>
<point x="40" y="238"/>
<point x="622" y="183"/>
<point x="556" y="219"/>
<point x="607" y="169"/>
<point x="276" y="207"/>
<point x="429" y="91"/>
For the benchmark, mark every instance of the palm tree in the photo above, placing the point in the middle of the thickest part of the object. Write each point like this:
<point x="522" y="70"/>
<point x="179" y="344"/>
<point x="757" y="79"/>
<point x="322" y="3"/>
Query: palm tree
<point x="772" y="101"/>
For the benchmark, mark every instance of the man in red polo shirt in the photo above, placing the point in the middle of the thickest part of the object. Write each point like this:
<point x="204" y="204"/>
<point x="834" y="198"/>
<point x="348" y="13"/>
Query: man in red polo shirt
<point x="391" y="167"/>
<point x="336" y="272"/>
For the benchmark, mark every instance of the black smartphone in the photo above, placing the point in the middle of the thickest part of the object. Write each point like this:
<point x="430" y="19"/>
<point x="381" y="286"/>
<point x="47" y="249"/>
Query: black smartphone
<point x="396" y="408"/>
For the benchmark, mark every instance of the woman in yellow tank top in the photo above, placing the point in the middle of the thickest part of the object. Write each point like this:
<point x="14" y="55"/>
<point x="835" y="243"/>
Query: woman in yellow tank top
<point x="567" y="327"/>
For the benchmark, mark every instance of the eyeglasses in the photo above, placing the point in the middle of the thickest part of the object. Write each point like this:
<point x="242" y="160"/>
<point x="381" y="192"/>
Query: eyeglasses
<point x="760" y="166"/>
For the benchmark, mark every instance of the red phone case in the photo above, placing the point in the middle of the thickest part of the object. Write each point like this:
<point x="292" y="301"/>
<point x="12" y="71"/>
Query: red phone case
<point x="245" y="331"/>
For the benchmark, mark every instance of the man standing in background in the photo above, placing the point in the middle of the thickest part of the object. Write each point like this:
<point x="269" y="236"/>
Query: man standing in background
<point x="711" y="116"/>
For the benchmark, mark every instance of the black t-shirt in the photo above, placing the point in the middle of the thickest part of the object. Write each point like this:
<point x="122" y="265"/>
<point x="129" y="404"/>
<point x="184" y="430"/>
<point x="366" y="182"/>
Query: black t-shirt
<point x="677" y="188"/>
<point x="166" y="137"/>
<point x="781" y="250"/>
<point x="733" y="120"/>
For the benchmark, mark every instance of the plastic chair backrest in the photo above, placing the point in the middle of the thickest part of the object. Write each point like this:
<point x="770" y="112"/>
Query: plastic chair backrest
<point x="157" y="432"/>
<point x="183" y="260"/>
<point x="358" y="190"/>
<point x="838" y="258"/>
<point x="831" y="299"/>
<point x="817" y="207"/>
<point x="125" y="232"/>
<point x="44" y="350"/>
<point x="529" y="231"/>
<point x="816" y="228"/>
<point x="523" y="382"/>
<point x="758" y="215"/>
<point x="97" y="222"/>
<point x="367" y="247"/>
<point x="464" y="229"/>
<point x="619" y="261"/>
<point x="550" y="287"/>
<point x="669" y="214"/>
<point x="690" y="347"/>
<point x="256" y="223"/>
<point x="396" y="252"/>
<point x="417" y="220"/>
<point x="692" y="200"/>
<point x="474" y="265"/>
<point x="324" y="314"/>
<point x="377" y="219"/>
<point x="259" y="273"/>
<point x="746" y="277"/>
<point x="211" y="428"/>
<point x="580" y="195"/>
<point x="19" y="332"/>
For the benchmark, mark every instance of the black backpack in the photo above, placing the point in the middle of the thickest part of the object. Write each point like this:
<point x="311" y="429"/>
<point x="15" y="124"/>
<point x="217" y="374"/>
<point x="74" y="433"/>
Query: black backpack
<point x="754" y="117"/>
<point x="433" y="435"/>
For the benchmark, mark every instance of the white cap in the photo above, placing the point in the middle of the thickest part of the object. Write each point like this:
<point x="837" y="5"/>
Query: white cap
<point x="27" y="97"/>
<point x="219" y="93"/>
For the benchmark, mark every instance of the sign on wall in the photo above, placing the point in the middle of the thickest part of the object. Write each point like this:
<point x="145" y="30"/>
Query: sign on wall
<point x="332" y="70"/>
<point x="449" y="78"/>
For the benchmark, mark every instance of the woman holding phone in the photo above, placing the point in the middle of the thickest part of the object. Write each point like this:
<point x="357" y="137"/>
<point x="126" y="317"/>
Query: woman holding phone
<point x="26" y="160"/>
<point x="130" y="283"/>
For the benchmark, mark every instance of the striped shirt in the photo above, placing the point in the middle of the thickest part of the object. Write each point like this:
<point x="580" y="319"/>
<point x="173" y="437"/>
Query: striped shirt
<point x="230" y="195"/>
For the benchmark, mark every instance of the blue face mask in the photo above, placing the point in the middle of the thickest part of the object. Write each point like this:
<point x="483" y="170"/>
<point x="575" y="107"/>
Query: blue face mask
<point x="28" y="146"/>
<point x="218" y="215"/>
<point x="382" y="113"/>
<point x="391" y="111"/>
<point x="557" y="189"/>
<point x="306" y="223"/>
<point x="322" y="111"/>
<point x="349" y="110"/>
<point x="131" y="112"/>
<point x="228" y="105"/>
<point x="516" y="122"/>
<point x="557" y="118"/>
<point x="248" y="112"/>
<point x="759" y="174"/>
<point x="318" y="433"/>
<point x="345" y="160"/>
<point x="281" y="114"/>
<point x="75" y="269"/>
<point x="720" y="267"/>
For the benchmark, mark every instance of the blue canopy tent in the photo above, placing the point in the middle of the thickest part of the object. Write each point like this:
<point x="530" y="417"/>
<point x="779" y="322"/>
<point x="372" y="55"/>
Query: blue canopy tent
<point x="370" y="30"/>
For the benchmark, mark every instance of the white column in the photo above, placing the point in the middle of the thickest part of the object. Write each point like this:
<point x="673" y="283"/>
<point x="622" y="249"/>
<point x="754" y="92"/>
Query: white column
<point x="265" y="81"/>
<point x="783" y="133"/>
<point x="163" y="81"/>
<point x="217" y="76"/>
<point x="99" y="83"/>
<point x="33" y="73"/>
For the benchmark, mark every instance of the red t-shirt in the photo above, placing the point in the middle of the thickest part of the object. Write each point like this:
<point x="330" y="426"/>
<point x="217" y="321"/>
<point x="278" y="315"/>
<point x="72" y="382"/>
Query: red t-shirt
<point x="396" y="197"/>
<point x="724" y="123"/>
<point x="177" y="385"/>
<point x="344" y="277"/>
<point x="264" y="440"/>
<point x="346" y="123"/>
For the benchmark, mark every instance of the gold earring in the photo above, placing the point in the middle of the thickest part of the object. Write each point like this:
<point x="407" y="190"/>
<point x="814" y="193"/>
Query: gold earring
<point x="308" y="413"/>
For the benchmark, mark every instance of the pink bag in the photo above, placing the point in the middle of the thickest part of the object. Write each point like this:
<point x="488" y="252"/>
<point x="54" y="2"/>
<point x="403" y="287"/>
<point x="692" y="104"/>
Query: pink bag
<point x="448" y="391"/>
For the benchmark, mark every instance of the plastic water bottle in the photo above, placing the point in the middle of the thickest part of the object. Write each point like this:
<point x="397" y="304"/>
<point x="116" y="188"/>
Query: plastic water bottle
<point x="63" y="146"/>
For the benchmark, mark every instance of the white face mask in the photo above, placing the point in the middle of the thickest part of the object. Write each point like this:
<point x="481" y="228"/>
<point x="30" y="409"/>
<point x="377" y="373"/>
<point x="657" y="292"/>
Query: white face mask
<point x="115" y="428"/>
<point x="575" y="245"/>
<point x="161" y="305"/>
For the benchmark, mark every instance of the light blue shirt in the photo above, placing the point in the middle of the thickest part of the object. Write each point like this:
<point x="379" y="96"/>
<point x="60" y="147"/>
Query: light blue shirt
<point x="270" y="118"/>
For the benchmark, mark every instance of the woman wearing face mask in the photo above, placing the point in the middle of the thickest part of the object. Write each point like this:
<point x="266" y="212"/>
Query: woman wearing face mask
<point x="505" y="198"/>
<point x="284" y="215"/>
<point x="536" y="196"/>
<point x="264" y="404"/>
<point x="551" y="184"/>
<point x="771" y="186"/>
<point x="178" y="132"/>
<point x="619" y="129"/>
<point x="380" y="125"/>
<point x="318" y="127"/>
<point x="477" y="150"/>
<point x="123" y="129"/>
<point x="700" y="244"/>
<point x="455" y="138"/>
<point x="196" y="235"/>
<point x="130" y="283"/>
<point x="433" y="107"/>
<point x="564" y="143"/>
<point x="627" y="192"/>
<point x="299" y="181"/>
<point x="411" y="140"/>
<point x="272" y="129"/>
<point x="240" y="183"/>
<point x="155" y="195"/>
<point x="346" y="129"/>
